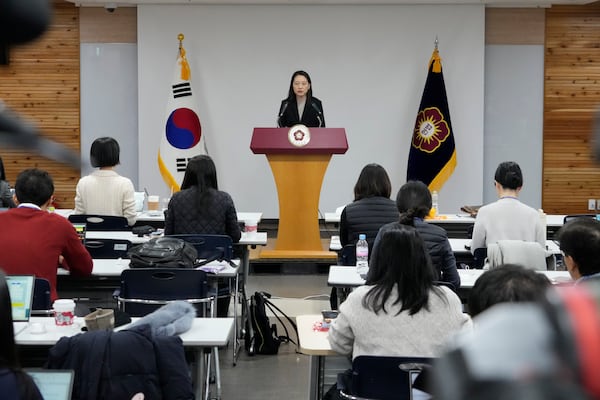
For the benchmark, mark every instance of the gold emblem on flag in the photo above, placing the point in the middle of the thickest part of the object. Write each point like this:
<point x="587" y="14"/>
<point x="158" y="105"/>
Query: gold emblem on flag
<point x="431" y="130"/>
<point x="299" y="135"/>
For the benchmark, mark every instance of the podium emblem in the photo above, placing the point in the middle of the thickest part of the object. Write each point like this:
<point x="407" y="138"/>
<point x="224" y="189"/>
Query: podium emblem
<point x="299" y="135"/>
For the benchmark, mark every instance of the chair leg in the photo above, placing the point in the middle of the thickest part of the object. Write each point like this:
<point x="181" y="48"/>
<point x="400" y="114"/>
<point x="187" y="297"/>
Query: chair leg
<point x="217" y="372"/>
<point x="207" y="383"/>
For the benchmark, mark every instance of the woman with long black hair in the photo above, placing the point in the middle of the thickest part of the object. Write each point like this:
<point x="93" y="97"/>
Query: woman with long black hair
<point x="400" y="311"/>
<point x="301" y="107"/>
<point x="200" y="207"/>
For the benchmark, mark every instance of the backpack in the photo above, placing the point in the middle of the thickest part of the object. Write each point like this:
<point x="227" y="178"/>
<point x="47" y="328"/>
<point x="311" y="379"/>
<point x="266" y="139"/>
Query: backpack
<point x="261" y="337"/>
<point x="163" y="252"/>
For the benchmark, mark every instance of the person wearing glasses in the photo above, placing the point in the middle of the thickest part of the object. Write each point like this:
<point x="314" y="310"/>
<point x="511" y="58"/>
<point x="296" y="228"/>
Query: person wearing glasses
<point x="579" y="242"/>
<point x="301" y="107"/>
<point x="507" y="218"/>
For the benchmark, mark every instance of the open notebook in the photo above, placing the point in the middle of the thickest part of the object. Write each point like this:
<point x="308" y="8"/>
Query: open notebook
<point x="20" y="288"/>
<point x="54" y="384"/>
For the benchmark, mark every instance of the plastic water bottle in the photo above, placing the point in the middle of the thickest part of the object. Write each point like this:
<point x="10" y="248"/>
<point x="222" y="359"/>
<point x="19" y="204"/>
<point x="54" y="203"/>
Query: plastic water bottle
<point x="362" y="255"/>
<point x="434" y="203"/>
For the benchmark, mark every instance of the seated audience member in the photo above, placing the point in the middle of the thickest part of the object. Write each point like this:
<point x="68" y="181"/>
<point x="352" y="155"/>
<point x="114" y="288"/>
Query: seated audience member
<point x="371" y="208"/>
<point x="14" y="383"/>
<point x="399" y="312"/>
<point x="414" y="203"/>
<point x="507" y="284"/>
<point x="580" y="244"/>
<point x="507" y="218"/>
<point x="200" y="207"/>
<point x="35" y="241"/>
<point x="6" y="197"/>
<point x="105" y="192"/>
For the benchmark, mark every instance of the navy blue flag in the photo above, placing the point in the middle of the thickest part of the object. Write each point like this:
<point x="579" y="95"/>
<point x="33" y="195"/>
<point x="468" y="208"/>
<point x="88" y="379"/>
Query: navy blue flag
<point x="432" y="156"/>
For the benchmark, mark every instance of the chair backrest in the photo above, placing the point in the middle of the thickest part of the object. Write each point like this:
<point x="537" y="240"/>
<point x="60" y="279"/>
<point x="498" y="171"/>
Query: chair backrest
<point x="217" y="247"/>
<point x="479" y="256"/>
<point x="383" y="378"/>
<point x="41" y="297"/>
<point x="530" y="255"/>
<point x="143" y="290"/>
<point x="575" y="216"/>
<point x="347" y="255"/>
<point x="101" y="222"/>
<point x="108" y="248"/>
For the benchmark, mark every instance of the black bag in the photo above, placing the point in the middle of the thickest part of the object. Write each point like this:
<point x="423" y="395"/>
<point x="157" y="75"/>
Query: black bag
<point x="163" y="252"/>
<point x="261" y="337"/>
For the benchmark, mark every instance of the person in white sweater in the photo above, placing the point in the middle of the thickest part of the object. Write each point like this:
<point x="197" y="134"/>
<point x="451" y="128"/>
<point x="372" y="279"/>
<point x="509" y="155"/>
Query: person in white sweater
<point x="105" y="192"/>
<point x="507" y="218"/>
<point x="399" y="312"/>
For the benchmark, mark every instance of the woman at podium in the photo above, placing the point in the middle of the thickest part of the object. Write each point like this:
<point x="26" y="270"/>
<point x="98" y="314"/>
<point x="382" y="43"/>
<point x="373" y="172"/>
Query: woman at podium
<point x="300" y="107"/>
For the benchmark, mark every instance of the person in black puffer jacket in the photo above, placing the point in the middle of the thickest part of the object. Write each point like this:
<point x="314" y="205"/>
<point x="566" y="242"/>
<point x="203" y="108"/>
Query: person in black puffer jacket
<point x="414" y="203"/>
<point x="371" y="209"/>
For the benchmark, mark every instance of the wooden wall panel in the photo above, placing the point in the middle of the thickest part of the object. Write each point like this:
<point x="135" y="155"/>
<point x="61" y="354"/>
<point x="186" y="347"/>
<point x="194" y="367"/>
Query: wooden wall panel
<point x="41" y="83"/>
<point x="571" y="98"/>
<point x="95" y="20"/>
<point x="514" y="26"/>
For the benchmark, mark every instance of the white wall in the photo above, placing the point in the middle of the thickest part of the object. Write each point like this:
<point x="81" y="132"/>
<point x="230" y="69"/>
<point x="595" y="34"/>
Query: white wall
<point x="109" y="102"/>
<point x="368" y="65"/>
<point x="514" y="122"/>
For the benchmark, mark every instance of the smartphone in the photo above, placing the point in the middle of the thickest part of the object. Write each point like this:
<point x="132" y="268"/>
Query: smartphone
<point x="329" y="314"/>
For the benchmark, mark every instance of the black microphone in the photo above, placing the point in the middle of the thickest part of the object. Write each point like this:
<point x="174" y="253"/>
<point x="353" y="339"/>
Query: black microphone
<point x="319" y="113"/>
<point x="283" y="108"/>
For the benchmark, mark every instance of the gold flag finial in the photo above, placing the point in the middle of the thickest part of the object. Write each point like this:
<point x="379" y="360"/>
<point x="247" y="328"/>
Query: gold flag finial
<point x="185" y="67"/>
<point x="435" y="59"/>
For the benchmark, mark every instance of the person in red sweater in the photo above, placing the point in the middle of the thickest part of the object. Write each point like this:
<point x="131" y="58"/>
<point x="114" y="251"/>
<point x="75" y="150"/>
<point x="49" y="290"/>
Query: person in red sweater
<point x="34" y="241"/>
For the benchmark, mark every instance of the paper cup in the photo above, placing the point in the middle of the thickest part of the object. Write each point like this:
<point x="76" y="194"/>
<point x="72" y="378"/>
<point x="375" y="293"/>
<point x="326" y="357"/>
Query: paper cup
<point x="64" y="312"/>
<point x="153" y="203"/>
<point x="251" y="227"/>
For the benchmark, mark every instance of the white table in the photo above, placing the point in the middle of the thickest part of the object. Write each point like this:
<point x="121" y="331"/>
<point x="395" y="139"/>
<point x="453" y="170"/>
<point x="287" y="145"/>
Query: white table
<point x="159" y="216"/>
<point x="553" y="220"/>
<point x="344" y="276"/>
<point x="205" y="333"/>
<point x="315" y="344"/>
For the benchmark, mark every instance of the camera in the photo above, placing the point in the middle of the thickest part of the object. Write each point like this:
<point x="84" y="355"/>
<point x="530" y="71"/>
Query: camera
<point x="110" y="7"/>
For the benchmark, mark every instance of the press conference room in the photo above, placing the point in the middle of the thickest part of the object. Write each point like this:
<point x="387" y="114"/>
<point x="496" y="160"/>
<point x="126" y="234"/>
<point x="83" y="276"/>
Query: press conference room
<point x="520" y="84"/>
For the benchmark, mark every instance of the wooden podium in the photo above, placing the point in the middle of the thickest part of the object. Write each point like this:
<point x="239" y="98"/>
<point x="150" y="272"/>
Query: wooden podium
<point x="298" y="157"/>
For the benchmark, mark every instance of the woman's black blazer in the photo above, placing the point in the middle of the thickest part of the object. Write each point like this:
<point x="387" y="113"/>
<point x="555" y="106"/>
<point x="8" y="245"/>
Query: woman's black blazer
<point x="311" y="117"/>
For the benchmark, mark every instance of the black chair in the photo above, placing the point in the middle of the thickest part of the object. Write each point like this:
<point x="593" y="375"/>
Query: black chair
<point x="575" y="216"/>
<point x="100" y="222"/>
<point x="347" y="255"/>
<point x="479" y="256"/>
<point x="42" y="303"/>
<point x="108" y="248"/>
<point x="143" y="290"/>
<point x="384" y="378"/>
<point x="210" y="247"/>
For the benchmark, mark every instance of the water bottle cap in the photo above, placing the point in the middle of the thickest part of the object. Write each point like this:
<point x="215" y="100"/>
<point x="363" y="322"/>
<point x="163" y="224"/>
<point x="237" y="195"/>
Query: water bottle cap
<point x="362" y="236"/>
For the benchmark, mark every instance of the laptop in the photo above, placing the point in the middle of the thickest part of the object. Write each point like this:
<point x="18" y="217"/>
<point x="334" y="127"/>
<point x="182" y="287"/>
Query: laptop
<point x="53" y="384"/>
<point x="20" y="288"/>
<point x="80" y="229"/>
